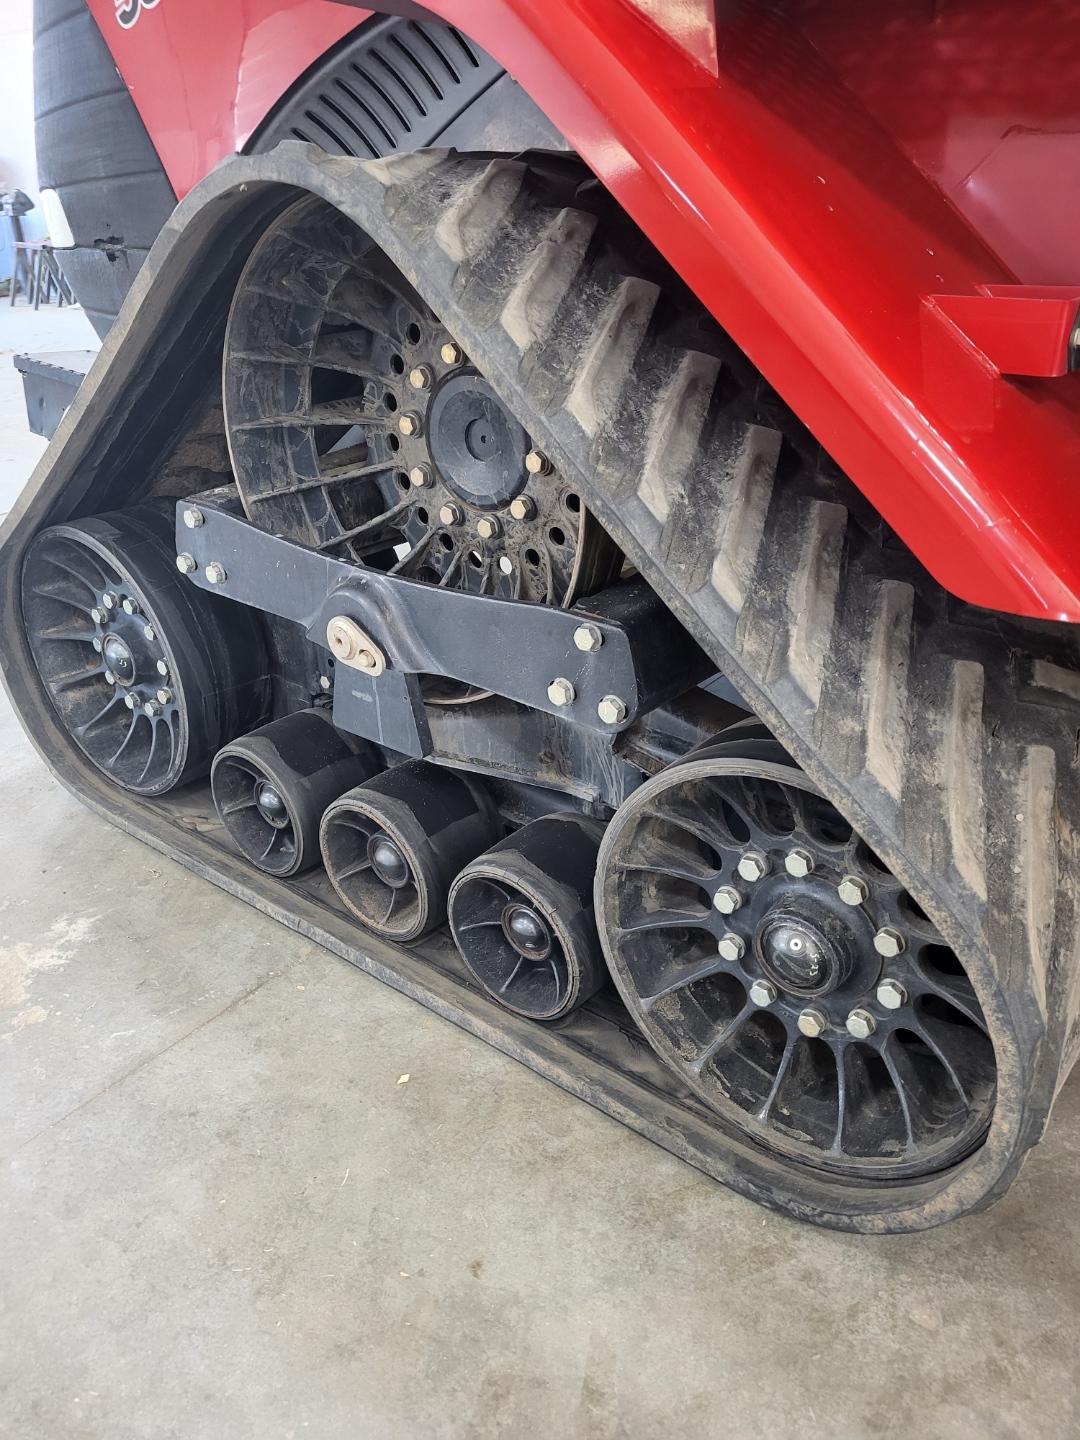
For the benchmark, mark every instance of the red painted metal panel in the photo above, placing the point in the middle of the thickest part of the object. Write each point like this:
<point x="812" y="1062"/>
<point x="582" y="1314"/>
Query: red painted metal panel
<point x="815" y="223"/>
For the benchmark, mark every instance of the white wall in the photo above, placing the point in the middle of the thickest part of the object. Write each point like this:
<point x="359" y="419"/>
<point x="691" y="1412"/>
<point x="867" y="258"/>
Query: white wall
<point x="18" y="167"/>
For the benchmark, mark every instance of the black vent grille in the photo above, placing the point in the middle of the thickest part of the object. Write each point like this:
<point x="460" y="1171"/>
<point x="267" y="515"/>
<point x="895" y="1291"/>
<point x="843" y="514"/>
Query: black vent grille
<point x="395" y="85"/>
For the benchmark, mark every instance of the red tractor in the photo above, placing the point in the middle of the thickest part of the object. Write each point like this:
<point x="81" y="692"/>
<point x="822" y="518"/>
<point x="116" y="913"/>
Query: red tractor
<point x="576" y="510"/>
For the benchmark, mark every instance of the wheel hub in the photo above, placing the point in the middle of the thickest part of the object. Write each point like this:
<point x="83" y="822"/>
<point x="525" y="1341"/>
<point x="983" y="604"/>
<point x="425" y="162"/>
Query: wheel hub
<point x="803" y="949"/>
<point x="476" y="443"/>
<point x="271" y="805"/>
<point x="118" y="658"/>
<point x="388" y="862"/>
<point x="526" y="931"/>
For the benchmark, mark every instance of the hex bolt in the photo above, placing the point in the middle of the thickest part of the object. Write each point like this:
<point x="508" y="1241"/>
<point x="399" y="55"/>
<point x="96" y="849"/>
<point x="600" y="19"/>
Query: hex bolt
<point x="588" y="638"/>
<point x="522" y="507"/>
<point x="754" y="865"/>
<point x="324" y="682"/>
<point x="506" y="565"/>
<point x="727" y="900"/>
<point x="110" y="677"/>
<point x="186" y="564"/>
<point x="488" y="527"/>
<point x="612" y="710"/>
<point x="162" y="668"/>
<point x="812" y="1022"/>
<point x="366" y="660"/>
<point x="193" y="517"/>
<point x="149" y="633"/>
<point x="537" y="463"/>
<point x="420" y="377"/>
<point x="410" y="423"/>
<point x="109" y="600"/>
<point x="132" y="701"/>
<point x="889" y="942"/>
<point x="451" y="353"/>
<point x="853" y="890"/>
<point x="731" y="946"/>
<point x="164" y="696"/>
<point x="151" y="708"/>
<point x="891" y="995"/>
<point x="420" y="476"/>
<point x="99" y="616"/>
<point x="763" y="992"/>
<point x="130" y="606"/>
<point x="561" y="692"/>
<point x="97" y="643"/>
<point x="861" y="1024"/>
<point x="799" y="862"/>
<point x="450" y="515"/>
<point x="215" y="573"/>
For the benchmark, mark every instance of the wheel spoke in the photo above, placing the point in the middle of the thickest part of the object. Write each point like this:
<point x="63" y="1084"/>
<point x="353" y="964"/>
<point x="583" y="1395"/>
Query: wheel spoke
<point x="715" y="965"/>
<point x="778" y="1079"/>
<point x="665" y="920"/>
<point x="722" y="1036"/>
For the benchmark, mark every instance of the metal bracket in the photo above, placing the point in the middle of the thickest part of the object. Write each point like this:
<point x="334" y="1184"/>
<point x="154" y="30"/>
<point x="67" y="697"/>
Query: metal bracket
<point x="599" y="665"/>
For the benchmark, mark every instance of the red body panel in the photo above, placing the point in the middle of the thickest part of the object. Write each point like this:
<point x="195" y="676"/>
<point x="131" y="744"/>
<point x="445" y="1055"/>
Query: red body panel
<point x="847" y="163"/>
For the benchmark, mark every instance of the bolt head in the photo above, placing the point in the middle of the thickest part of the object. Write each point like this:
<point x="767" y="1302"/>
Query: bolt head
<point x="409" y="423"/>
<point x="561" y="692"/>
<point x="193" y="517"/>
<point x="852" y="890"/>
<point x="130" y="606"/>
<point x="186" y="563"/>
<point x="799" y="863"/>
<point x="420" y="377"/>
<point x="506" y="565"/>
<point x="97" y="643"/>
<point x="148" y="634"/>
<point x="324" y="682"/>
<point x="419" y="476"/>
<point x="132" y="701"/>
<point x="450" y="515"/>
<point x="588" y="638"/>
<point x="109" y="600"/>
<point x="366" y="660"/>
<point x="215" y="573"/>
<point x="612" y="710"/>
<point x="861" y="1024"/>
<point x="164" y="696"/>
<point x="812" y="1022"/>
<point x="162" y="668"/>
<point x="151" y="708"/>
<point x="99" y="615"/>
<point x="451" y="353"/>
<point x="889" y="942"/>
<point x="754" y="866"/>
<point x="763" y="992"/>
<point x="537" y="463"/>
<point x="727" y="900"/>
<point x="488" y="527"/>
<point x="891" y="995"/>
<point x="522" y="507"/>
<point x="731" y="946"/>
<point x="110" y="677"/>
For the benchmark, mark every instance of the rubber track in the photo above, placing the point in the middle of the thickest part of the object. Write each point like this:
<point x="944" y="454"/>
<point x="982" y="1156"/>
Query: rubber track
<point x="948" y="736"/>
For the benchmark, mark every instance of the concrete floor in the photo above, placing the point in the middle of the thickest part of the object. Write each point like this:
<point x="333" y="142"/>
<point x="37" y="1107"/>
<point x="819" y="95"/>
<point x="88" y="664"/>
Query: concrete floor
<point x="222" y="1215"/>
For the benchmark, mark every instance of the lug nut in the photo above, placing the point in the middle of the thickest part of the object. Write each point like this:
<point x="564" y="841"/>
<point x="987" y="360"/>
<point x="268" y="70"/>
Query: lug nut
<point x="799" y="862"/>
<point x="852" y="890"/>
<point x="889" y="942"/>
<point x="410" y="423"/>
<point x="215" y="573"/>
<point x="763" y="992"/>
<point x="97" y="643"/>
<point x="727" y="900"/>
<point x="588" y="638"/>
<point x="420" y="377"/>
<point x="132" y="701"/>
<point x="99" y="615"/>
<point x="151" y="708"/>
<point x="522" y="508"/>
<point x="506" y="565"/>
<point x="324" y="682"/>
<point x="109" y="600"/>
<point x="488" y="527"/>
<point x="419" y="476"/>
<point x="186" y="563"/>
<point x="451" y="353"/>
<point x="162" y="668"/>
<point x="731" y="947"/>
<point x="537" y="463"/>
<point x="450" y="515"/>
<point x="861" y="1024"/>
<point x="148" y="632"/>
<point x="754" y="865"/>
<point x="130" y="606"/>
<point x="812" y="1022"/>
<point x="164" y="696"/>
<point x="561" y="692"/>
<point x="612" y="710"/>
<point x="193" y="517"/>
<point x="110" y="677"/>
<point x="891" y="995"/>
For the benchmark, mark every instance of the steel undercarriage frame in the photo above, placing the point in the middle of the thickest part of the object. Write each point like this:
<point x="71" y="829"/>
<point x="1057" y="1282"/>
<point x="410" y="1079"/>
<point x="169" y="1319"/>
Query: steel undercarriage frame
<point x="123" y="430"/>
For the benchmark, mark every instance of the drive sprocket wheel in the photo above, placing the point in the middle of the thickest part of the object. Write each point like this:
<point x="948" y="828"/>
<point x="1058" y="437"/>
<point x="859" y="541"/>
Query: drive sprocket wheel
<point x="149" y="674"/>
<point x="357" y="425"/>
<point x="785" y="974"/>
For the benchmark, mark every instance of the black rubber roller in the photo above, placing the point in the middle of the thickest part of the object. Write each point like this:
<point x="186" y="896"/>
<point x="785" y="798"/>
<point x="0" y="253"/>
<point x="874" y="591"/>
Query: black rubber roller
<point x="522" y="916"/>
<point x="271" y="787"/>
<point x="393" y="845"/>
